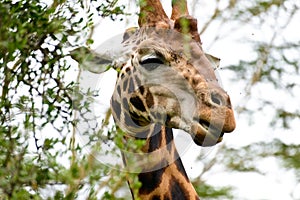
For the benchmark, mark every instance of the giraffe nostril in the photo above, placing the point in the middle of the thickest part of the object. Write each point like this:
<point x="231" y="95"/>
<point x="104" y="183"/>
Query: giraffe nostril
<point x="216" y="98"/>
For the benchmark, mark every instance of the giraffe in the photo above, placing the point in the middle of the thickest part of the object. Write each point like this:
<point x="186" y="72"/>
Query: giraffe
<point x="166" y="81"/>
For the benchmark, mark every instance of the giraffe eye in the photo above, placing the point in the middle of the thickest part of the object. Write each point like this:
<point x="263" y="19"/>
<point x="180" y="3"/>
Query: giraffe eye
<point x="151" y="63"/>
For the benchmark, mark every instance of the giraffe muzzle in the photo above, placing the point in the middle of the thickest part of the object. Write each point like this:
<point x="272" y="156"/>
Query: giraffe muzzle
<point x="214" y="118"/>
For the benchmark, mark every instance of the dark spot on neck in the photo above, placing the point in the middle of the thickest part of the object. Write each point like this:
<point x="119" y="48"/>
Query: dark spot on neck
<point x="125" y="103"/>
<point x="127" y="70"/>
<point x="155" y="140"/>
<point x="116" y="107"/>
<point x="119" y="90"/>
<point x="150" y="180"/>
<point x="137" y="103"/>
<point x="178" y="192"/>
<point x="169" y="138"/>
<point x="166" y="197"/>
<point x="142" y="90"/>
<point x="122" y="75"/>
<point x="131" y="86"/>
<point x="149" y="100"/>
<point x="138" y="81"/>
<point x="155" y="197"/>
<point x="125" y="83"/>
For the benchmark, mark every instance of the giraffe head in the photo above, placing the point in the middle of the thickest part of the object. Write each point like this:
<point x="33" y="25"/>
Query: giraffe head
<point x="165" y="77"/>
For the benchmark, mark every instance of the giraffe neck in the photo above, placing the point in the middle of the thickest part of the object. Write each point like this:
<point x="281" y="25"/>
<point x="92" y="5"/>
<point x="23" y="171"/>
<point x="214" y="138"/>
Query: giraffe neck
<point x="166" y="178"/>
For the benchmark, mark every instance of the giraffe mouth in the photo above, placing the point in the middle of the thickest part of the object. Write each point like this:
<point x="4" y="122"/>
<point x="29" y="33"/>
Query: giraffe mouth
<point x="206" y="134"/>
<point x="211" y="129"/>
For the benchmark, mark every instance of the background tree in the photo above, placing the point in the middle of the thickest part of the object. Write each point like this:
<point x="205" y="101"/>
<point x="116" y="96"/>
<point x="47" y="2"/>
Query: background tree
<point x="36" y="108"/>
<point x="40" y="154"/>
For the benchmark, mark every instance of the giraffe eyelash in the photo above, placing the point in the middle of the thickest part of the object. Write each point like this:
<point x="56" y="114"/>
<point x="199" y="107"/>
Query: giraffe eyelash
<point x="151" y="60"/>
<point x="151" y="63"/>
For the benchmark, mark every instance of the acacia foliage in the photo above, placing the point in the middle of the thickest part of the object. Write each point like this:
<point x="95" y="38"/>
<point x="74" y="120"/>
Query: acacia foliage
<point x="36" y="107"/>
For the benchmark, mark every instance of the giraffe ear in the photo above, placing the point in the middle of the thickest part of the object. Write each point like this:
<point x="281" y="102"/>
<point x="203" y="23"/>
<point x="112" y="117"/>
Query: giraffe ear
<point x="111" y="53"/>
<point x="213" y="60"/>
<point x="90" y="60"/>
